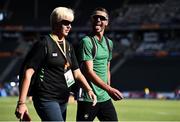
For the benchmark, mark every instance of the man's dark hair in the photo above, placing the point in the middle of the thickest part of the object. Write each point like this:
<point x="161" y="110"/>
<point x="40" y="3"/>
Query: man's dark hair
<point x="101" y="9"/>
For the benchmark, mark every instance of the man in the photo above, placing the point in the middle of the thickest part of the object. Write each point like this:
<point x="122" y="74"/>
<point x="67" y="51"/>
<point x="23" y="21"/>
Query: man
<point x="97" y="71"/>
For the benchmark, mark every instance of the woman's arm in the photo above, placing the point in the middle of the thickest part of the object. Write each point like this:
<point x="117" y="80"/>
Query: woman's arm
<point x="80" y="77"/>
<point x="25" y="84"/>
<point x="21" y="105"/>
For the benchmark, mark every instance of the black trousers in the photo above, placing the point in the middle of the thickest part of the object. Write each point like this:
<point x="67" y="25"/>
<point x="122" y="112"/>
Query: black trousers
<point x="104" y="111"/>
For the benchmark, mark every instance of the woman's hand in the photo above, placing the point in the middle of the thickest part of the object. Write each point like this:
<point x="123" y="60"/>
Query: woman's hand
<point x="20" y="110"/>
<point x="93" y="97"/>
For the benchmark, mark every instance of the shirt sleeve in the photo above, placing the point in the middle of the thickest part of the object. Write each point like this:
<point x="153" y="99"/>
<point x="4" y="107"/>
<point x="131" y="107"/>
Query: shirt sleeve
<point x="36" y="55"/>
<point x="85" y="49"/>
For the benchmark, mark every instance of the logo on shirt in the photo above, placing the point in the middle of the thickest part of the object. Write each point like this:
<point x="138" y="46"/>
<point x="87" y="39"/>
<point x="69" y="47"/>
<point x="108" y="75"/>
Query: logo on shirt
<point x="54" y="54"/>
<point x="86" y="116"/>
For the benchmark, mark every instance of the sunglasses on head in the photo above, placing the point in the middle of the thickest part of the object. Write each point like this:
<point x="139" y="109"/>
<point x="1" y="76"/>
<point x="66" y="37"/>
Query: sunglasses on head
<point x="65" y="22"/>
<point x="102" y="18"/>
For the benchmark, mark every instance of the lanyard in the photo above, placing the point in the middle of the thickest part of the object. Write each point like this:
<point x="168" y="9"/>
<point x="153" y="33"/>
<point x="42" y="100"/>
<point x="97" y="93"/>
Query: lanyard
<point x="55" y="38"/>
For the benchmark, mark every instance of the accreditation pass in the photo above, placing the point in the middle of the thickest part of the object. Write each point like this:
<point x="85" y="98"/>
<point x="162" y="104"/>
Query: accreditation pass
<point x="69" y="78"/>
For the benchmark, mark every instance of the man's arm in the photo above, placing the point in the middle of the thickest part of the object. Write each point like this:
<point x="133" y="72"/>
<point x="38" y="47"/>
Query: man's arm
<point x="114" y="93"/>
<point x="93" y="76"/>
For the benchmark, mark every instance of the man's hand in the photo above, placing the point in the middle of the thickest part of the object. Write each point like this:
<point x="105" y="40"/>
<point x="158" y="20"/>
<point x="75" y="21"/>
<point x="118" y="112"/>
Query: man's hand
<point x="93" y="97"/>
<point x="115" y="94"/>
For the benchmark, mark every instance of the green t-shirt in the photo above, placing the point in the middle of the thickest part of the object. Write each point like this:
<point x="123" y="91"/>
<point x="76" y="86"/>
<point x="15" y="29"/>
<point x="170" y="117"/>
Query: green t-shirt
<point x="100" y="64"/>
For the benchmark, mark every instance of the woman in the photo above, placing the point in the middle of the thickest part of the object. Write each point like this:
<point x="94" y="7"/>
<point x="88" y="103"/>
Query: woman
<point x="58" y="68"/>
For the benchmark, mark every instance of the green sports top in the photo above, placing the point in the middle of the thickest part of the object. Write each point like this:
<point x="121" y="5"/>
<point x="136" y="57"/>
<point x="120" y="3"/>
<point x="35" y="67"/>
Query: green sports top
<point x="100" y="63"/>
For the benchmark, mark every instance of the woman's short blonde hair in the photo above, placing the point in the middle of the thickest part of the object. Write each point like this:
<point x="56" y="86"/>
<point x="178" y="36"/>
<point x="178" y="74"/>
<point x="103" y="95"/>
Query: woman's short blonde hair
<point x="59" y="14"/>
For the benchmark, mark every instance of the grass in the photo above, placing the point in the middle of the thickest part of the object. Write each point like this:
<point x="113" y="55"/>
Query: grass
<point x="127" y="110"/>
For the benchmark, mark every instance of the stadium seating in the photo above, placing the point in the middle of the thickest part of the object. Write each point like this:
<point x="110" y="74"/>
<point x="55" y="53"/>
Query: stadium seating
<point x="145" y="35"/>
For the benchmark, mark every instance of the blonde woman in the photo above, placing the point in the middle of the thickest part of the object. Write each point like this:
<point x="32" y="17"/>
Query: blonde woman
<point x="54" y="60"/>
